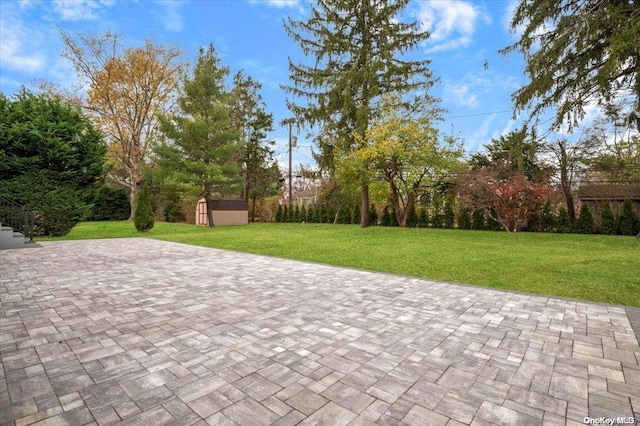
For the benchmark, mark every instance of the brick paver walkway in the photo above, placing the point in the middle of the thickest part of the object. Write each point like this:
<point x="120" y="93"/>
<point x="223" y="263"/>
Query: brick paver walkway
<point x="149" y="332"/>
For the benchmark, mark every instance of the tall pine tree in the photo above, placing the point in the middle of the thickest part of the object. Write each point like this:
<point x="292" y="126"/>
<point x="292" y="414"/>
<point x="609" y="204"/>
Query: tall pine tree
<point x="358" y="51"/>
<point x="202" y="144"/>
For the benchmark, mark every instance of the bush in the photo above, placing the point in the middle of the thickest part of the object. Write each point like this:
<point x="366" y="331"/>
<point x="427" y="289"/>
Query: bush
<point x="607" y="220"/>
<point x="172" y="210"/>
<point x="143" y="217"/>
<point x="373" y="215"/>
<point x="477" y="220"/>
<point x="412" y="219"/>
<point x="585" y="222"/>
<point x="388" y="218"/>
<point x="563" y="223"/>
<point x="437" y="218"/>
<point x="280" y="214"/>
<point x="59" y="211"/>
<point x="356" y="214"/>
<point x="449" y="215"/>
<point x="628" y="222"/>
<point x="111" y="204"/>
<point x="492" y="224"/>
<point x="464" y="218"/>
<point x="546" y="220"/>
<point x="423" y="218"/>
<point x="344" y="215"/>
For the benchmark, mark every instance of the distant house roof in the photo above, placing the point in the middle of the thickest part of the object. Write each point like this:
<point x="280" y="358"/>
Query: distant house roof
<point x="306" y="193"/>
<point x="609" y="192"/>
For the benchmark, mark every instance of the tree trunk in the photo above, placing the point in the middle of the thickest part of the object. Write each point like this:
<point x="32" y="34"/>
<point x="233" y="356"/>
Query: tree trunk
<point x="253" y="209"/>
<point x="565" y="182"/>
<point x="136" y="179"/>
<point x="209" y="212"/>
<point x="400" y="214"/>
<point x="133" y="199"/>
<point x="364" y="213"/>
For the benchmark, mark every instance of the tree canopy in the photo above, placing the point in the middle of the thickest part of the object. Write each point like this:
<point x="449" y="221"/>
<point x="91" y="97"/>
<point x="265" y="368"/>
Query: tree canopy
<point x="51" y="159"/>
<point x="578" y="52"/>
<point x="127" y="90"/>
<point x="406" y="152"/>
<point x="201" y="149"/>
<point x="358" y="51"/>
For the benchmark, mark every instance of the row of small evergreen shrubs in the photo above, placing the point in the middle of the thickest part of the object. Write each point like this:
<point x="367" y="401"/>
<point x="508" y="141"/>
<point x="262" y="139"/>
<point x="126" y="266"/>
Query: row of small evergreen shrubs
<point x="546" y="220"/>
<point x="626" y="223"/>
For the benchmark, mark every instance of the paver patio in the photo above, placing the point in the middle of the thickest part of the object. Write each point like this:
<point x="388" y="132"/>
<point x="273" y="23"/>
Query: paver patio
<point x="147" y="332"/>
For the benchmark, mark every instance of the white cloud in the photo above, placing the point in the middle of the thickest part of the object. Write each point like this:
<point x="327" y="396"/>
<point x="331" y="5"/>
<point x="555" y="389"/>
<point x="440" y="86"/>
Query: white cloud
<point x="279" y="3"/>
<point x="509" y="11"/>
<point x="480" y="136"/>
<point x="76" y="10"/>
<point x="18" y="44"/>
<point x="460" y="94"/>
<point x="172" y="19"/>
<point x="267" y="75"/>
<point x="505" y="130"/>
<point x="451" y="23"/>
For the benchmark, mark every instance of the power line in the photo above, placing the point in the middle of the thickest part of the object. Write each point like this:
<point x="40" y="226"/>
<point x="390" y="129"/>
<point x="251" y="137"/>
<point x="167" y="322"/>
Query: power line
<point x="481" y="113"/>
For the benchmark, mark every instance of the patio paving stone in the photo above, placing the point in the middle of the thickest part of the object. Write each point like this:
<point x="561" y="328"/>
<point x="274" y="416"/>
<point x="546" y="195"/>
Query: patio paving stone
<point x="139" y="332"/>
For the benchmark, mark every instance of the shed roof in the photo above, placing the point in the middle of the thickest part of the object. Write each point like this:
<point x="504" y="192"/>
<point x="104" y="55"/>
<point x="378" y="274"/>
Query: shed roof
<point x="619" y="192"/>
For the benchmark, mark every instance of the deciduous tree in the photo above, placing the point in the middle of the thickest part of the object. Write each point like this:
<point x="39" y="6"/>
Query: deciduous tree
<point x="127" y="88"/>
<point x="406" y="152"/>
<point x="570" y="160"/>
<point x="357" y="49"/>
<point x="510" y="201"/>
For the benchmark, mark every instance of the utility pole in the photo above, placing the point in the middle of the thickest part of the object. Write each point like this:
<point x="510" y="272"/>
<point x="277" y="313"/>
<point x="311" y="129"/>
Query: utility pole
<point x="292" y="143"/>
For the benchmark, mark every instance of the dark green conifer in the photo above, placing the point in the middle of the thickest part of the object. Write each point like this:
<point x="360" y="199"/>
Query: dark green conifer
<point x="143" y="217"/>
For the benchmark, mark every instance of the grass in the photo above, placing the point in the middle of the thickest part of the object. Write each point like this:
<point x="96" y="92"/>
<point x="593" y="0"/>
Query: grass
<point x="590" y="267"/>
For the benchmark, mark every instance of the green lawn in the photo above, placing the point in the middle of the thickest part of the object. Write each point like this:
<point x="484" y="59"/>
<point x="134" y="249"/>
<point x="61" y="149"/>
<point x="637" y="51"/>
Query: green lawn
<point x="591" y="267"/>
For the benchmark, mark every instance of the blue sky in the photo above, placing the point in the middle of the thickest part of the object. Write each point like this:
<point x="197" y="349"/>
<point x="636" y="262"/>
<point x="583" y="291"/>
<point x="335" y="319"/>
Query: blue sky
<point x="248" y="35"/>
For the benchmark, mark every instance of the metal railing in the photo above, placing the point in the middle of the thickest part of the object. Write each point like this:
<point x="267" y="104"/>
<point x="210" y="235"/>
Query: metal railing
<point x="17" y="217"/>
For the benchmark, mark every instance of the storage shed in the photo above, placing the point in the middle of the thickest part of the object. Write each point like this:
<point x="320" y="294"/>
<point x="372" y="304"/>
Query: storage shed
<point x="225" y="212"/>
<point x="595" y="196"/>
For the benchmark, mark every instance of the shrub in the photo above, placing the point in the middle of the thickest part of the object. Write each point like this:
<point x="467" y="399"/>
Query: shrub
<point x="172" y="210"/>
<point x="448" y="216"/>
<point x="412" y="219"/>
<point x="628" y="221"/>
<point x="331" y="215"/>
<point x="423" y="217"/>
<point x="491" y="224"/>
<point x="356" y="214"/>
<point x="437" y="218"/>
<point x="280" y="214"/>
<point x="585" y="222"/>
<point x="373" y="215"/>
<point x="344" y="215"/>
<point x="607" y="220"/>
<point x="477" y="220"/>
<point x="111" y="204"/>
<point x="388" y="218"/>
<point x="464" y="218"/>
<point x="143" y="217"/>
<point x="59" y="211"/>
<point x="563" y="223"/>
<point x="546" y="220"/>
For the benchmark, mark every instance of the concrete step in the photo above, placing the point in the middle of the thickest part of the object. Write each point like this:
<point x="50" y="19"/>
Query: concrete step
<point x="10" y="239"/>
